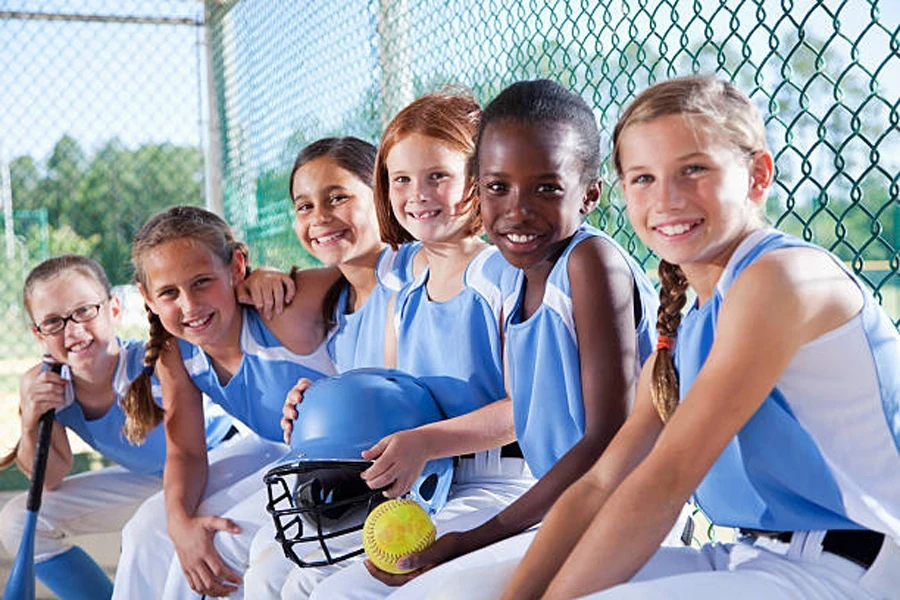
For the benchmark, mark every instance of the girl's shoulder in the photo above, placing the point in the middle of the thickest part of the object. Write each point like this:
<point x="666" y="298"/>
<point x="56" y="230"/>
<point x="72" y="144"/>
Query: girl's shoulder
<point x="804" y="282"/>
<point x="301" y="325"/>
<point x="786" y="263"/>
<point x="592" y="249"/>
<point x="396" y="268"/>
<point x="491" y="277"/>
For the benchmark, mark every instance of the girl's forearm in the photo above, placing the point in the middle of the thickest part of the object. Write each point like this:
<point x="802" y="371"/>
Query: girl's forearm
<point x="533" y="505"/>
<point x="184" y="480"/>
<point x="488" y="427"/>
<point x="59" y="458"/>
<point x="556" y="538"/>
<point x="622" y="536"/>
<point x="577" y="508"/>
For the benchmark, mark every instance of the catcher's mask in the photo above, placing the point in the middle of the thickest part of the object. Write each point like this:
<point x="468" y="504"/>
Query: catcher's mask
<point x="316" y="493"/>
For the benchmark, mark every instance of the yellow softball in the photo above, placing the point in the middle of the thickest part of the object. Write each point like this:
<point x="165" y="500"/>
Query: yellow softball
<point x="394" y="529"/>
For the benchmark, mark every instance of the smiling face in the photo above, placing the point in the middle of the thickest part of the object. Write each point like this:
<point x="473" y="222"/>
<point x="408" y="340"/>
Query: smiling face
<point x="334" y="211"/>
<point x="79" y="344"/>
<point x="427" y="188"/>
<point x="192" y="291"/>
<point x="690" y="197"/>
<point x="532" y="189"/>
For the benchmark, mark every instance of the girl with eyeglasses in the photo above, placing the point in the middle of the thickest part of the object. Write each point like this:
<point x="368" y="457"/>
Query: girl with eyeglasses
<point x="73" y="317"/>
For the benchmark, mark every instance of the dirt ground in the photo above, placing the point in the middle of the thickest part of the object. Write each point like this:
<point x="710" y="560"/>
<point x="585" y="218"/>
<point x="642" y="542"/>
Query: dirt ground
<point x="104" y="549"/>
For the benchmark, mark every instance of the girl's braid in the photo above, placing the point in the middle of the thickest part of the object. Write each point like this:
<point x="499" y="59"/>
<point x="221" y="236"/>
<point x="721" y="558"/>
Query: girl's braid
<point x="672" y="298"/>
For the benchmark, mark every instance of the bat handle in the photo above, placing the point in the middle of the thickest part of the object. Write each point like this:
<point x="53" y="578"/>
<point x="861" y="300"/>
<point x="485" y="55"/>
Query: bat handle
<point x="39" y="468"/>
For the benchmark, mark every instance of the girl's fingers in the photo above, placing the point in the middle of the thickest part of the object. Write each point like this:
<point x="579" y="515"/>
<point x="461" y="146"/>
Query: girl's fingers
<point x="377" y="450"/>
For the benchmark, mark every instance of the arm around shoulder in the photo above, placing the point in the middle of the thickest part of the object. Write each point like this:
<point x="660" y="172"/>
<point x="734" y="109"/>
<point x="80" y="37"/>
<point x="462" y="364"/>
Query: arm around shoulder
<point x="301" y="325"/>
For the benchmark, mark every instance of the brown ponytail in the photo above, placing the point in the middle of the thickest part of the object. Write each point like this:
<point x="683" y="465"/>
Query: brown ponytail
<point x="11" y="457"/>
<point x="672" y="297"/>
<point x="142" y="413"/>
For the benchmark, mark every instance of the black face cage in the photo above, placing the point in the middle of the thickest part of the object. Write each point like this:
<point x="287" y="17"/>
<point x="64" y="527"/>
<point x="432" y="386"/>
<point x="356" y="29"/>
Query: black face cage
<point x="329" y="497"/>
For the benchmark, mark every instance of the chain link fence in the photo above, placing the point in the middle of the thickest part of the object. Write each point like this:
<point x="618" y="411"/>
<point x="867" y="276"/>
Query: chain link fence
<point x="825" y="75"/>
<point x="102" y="108"/>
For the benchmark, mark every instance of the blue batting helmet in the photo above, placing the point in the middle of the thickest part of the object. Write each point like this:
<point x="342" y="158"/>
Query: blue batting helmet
<point x="316" y="493"/>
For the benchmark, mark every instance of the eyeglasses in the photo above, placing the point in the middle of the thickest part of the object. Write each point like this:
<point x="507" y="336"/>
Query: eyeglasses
<point x="82" y="314"/>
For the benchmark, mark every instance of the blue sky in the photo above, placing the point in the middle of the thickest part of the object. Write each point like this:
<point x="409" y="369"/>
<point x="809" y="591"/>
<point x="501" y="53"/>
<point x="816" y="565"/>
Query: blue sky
<point x="95" y="81"/>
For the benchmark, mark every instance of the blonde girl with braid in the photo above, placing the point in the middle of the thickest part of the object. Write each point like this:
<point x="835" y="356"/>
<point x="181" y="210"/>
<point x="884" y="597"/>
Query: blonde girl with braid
<point x="775" y="400"/>
<point x="194" y="539"/>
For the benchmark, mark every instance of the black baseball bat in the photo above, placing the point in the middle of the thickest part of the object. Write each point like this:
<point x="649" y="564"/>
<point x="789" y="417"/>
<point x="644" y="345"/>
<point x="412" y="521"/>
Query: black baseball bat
<point x="21" y="582"/>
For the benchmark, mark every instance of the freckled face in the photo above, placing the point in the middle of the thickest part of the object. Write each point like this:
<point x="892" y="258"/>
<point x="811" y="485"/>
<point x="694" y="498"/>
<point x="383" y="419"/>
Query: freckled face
<point x="689" y="196"/>
<point x="192" y="291"/>
<point x="334" y="211"/>
<point x="427" y="188"/>
<point x="532" y="190"/>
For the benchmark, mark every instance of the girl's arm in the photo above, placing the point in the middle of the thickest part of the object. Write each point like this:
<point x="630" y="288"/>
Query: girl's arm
<point x="184" y="479"/>
<point x="390" y="336"/>
<point x="771" y="310"/>
<point x="300" y="327"/>
<point x="39" y="392"/>
<point x="603" y="305"/>
<point x="573" y="513"/>
<point x="400" y="457"/>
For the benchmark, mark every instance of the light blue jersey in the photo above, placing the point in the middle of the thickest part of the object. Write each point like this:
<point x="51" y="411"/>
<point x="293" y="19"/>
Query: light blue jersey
<point x="357" y="339"/>
<point x="105" y="433"/>
<point x="543" y="362"/>
<point x="823" y="450"/>
<point x="255" y="394"/>
<point x="453" y="347"/>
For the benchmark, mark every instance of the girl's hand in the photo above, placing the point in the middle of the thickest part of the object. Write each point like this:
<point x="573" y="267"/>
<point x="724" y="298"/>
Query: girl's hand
<point x="289" y="410"/>
<point x="269" y="290"/>
<point x="203" y="568"/>
<point x="39" y="394"/>
<point x="399" y="460"/>
<point x="447" y="547"/>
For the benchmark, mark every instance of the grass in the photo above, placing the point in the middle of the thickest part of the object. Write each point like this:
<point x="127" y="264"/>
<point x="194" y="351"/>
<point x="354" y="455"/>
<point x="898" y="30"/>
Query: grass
<point x="12" y="479"/>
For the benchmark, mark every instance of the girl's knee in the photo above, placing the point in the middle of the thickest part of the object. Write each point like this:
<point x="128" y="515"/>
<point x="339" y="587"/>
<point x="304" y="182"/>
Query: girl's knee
<point x="12" y="522"/>
<point x="145" y="525"/>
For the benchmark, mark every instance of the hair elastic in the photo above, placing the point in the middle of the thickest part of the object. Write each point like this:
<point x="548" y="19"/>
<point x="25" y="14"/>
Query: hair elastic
<point x="148" y="371"/>
<point x="666" y="342"/>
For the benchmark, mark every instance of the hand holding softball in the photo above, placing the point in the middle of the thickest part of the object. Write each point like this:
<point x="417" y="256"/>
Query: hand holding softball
<point x="395" y="529"/>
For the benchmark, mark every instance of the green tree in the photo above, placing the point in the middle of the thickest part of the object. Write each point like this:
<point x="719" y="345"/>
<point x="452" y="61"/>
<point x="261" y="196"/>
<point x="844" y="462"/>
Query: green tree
<point x="25" y="178"/>
<point x="122" y="188"/>
<point x="58" y="191"/>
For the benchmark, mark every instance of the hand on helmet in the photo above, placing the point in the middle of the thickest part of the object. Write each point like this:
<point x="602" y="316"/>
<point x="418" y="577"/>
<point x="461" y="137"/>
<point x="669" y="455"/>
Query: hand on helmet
<point x="289" y="410"/>
<point x="447" y="547"/>
<point x="269" y="290"/>
<point x="204" y="569"/>
<point x="399" y="460"/>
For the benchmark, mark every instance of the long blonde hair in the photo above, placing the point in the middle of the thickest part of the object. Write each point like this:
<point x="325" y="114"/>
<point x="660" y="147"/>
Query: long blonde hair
<point x="143" y="414"/>
<point x="718" y="109"/>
